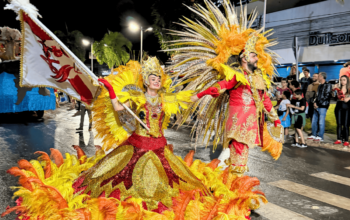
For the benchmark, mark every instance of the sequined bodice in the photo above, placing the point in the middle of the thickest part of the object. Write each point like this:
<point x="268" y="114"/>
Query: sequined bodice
<point x="152" y="115"/>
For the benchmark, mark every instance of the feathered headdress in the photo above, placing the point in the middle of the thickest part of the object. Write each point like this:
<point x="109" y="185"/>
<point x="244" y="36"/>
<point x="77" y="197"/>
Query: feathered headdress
<point x="207" y="45"/>
<point x="151" y="66"/>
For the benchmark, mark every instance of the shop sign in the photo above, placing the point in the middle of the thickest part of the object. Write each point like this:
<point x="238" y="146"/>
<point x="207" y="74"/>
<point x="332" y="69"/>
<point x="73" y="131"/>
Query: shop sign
<point x="317" y="38"/>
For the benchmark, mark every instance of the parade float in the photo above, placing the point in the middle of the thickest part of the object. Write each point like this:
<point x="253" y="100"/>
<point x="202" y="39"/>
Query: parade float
<point x="13" y="97"/>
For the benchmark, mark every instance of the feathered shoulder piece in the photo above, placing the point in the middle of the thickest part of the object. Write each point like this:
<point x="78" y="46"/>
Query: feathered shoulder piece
<point x="230" y="72"/>
<point x="172" y="102"/>
<point x="115" y="127"/>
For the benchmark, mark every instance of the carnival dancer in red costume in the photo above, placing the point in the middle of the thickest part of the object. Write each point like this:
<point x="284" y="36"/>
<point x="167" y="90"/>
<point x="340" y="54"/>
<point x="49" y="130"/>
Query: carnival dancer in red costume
<point x="230" y="67"/>
<point x="140" y="178"/>
<point x="247" y="104"/>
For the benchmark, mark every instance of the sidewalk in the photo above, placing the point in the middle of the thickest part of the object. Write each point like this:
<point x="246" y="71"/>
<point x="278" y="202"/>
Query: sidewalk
<point x="327" y="143"/>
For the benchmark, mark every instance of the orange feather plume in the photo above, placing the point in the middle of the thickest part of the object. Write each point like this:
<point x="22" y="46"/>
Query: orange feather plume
<point x="80" y="153"/>
<point x="83" y="214"/>
<point x="56" y="156"/>
<point x="244" y="184"/>
<point x="25" y="165"/>
<point x="16" y="208"/>
<point x="214" y="164"/>
<point x="181" y="202"/>
<point x="45" y="157"/>
<point x="212" y="209"/>
<point x="23" y="179"/>
<point x="189" y="158"/>
<point x="54" y="194"/>
<point x="108" y="207"/>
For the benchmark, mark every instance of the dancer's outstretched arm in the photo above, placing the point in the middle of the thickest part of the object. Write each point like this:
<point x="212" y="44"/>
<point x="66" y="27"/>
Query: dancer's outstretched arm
<point x="116" y="105"/>
<point x="216" y="89"/>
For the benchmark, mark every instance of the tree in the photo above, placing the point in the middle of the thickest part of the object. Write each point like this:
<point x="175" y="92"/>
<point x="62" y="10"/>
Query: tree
<point x="73" y="40"/>
<point x="113" y="49"/>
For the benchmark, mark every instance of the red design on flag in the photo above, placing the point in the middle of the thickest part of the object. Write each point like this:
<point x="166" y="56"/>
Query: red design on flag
<point x="62" y="66"/>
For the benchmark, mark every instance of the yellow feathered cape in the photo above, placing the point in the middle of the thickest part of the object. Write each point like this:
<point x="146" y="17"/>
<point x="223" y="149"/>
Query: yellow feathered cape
<point x="128" y="86"/>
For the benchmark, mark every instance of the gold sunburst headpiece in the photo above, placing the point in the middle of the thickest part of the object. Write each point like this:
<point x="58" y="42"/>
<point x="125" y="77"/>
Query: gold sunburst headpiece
<point x="250" y="47"/>
<point x="151" y="66"/>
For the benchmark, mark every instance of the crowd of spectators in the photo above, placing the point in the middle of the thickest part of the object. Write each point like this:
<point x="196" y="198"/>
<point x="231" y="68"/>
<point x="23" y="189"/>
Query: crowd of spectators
<point x="310" y="97"/>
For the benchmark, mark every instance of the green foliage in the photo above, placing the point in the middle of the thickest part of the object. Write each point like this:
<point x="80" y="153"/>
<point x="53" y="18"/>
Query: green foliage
<point x="73" y="40"/>
<point x="113" y="49"/>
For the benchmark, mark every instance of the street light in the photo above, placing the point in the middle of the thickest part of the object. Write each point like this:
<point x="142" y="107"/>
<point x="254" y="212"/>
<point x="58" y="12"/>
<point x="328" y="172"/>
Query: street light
<point x="135" y="27"/>
<point x="86" y="43"/>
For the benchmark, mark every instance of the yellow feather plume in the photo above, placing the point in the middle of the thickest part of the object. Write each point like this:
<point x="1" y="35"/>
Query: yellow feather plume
<point x="230" y="73"/>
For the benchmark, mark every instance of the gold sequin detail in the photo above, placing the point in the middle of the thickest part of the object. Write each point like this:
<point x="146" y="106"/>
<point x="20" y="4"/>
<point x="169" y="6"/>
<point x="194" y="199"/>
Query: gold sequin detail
<point x="246" y="97"/>
<point x="243" y="132"/>
<point x="259" y="81"/>
<point x="246" y="108"/>
<point x="250" y="46"/>
<point x="153" y="119"/>
<point x="238" y="162"/>
<point x="150" y="66"/>
<point x="184" y="173"/>
<point x="239" y="159"/>
<point x="277" y="133"/>
<point x="109" y="166"/>
<point x="150" y="182"/>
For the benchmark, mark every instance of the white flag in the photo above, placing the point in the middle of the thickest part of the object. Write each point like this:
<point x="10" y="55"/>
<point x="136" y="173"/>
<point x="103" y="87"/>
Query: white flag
<point x="46" y="61"/>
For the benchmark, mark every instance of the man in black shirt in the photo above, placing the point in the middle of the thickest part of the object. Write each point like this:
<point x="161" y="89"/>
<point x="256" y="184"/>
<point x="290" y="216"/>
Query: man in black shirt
<point x="297" y="108"/>
<point x="321" y="104"/>
<point x="305" y="81"/>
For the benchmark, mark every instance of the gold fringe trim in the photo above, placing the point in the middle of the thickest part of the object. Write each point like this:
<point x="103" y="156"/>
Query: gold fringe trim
<point x="271" y="145"/>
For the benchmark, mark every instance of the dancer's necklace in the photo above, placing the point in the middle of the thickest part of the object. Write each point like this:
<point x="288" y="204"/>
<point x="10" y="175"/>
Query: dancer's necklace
<point x="153" y="100"/>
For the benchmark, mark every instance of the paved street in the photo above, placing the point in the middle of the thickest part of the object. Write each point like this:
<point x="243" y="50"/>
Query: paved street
<point x="311" y="183"/>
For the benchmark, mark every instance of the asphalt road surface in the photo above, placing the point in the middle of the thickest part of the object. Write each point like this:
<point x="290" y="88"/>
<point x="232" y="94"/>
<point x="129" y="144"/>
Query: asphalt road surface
<point x="311" y="183"/>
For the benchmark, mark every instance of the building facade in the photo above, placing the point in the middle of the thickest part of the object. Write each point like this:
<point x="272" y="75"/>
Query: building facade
<point x="323" y="36"/>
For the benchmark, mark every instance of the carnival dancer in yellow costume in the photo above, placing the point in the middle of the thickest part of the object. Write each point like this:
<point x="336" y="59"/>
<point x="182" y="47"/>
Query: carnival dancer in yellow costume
<point x="140" y="178"/>
<point x="229" y="66"/>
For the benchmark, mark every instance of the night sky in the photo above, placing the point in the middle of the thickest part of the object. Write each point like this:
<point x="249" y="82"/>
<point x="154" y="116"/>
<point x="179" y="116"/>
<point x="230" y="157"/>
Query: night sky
<point x="94" y="19"/>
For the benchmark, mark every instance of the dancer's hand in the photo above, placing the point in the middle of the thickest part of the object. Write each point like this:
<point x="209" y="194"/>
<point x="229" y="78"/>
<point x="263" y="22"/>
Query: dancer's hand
<point x="213" y="91"/>
<point x="277" y="122"/>
<point x="109" y="87"/>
